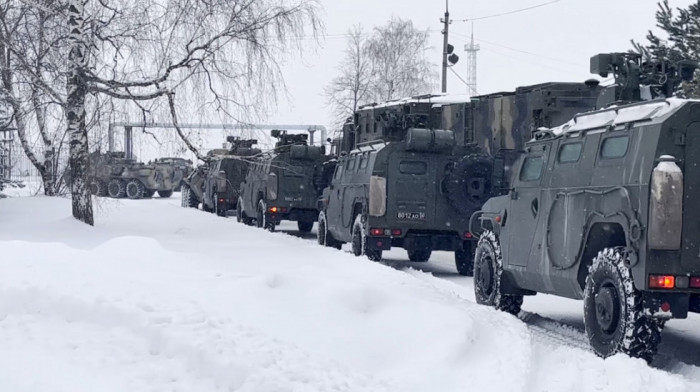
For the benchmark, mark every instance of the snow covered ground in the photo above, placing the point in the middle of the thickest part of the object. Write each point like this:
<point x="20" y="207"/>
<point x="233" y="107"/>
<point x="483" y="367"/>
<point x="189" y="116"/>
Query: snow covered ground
<point x="161" y="298"/>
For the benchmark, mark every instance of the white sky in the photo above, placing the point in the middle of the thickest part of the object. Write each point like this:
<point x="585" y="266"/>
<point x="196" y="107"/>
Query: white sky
<point x="559" y="40"/>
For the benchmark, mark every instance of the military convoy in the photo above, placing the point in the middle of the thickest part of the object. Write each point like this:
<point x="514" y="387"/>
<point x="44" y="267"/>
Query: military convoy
<point x="111" y="174"/>
<point x="283" y="184"/>
<point x="216" y="184"/>
<point x="603" y="208"/>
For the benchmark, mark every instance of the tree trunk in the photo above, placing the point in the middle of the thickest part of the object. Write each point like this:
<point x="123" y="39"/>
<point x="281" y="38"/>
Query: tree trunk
<point x="75" y="113"/>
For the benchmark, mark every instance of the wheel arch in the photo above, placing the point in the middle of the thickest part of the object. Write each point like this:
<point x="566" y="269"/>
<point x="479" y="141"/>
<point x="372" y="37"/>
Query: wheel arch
<point x="601" y="234"/>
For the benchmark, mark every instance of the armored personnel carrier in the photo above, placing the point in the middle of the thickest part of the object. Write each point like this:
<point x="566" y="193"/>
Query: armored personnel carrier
<point x="283" y="184"/>
<point x="603" y="209"/>
<point x="185" y="165"/>
<point x="216" y="183"/>
<point x="416" y="169"/>
<point x="113" y="175"/>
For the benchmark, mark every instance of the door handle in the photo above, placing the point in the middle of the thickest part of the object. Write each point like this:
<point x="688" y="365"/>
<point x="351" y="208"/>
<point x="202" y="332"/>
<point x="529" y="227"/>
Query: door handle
<point x="534" y="207"/>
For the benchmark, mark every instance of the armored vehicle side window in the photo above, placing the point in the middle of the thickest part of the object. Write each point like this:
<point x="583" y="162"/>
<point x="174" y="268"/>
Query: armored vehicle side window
<point x="532" y="168"/>
<point x="413" y="167"/>
<point x="338" y="171"/>
<point x="570" y="152"/>
<point x="350" y="164"/>
<point x="364" y="159"/>
<point x="614" y="147"/>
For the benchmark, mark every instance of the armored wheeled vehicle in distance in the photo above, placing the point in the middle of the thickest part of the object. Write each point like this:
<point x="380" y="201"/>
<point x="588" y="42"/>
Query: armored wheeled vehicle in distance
<point x="111" y="174"/>
<point x="604" y="209"/>
<point x="283" y="184"/>
<point x="216" y="183"/>
<point x="185" y="165"/>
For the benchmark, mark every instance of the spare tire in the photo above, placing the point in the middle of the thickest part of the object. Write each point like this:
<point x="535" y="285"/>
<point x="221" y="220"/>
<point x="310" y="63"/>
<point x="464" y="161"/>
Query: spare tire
<point x="470" y="183"/>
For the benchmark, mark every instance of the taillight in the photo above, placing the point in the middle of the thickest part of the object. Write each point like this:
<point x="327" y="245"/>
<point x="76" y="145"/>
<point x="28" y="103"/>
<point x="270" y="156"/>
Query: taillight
<point x="467" y="235"/>
<point x="376" y="232"/>
<point x="273" y="209"/>
<point x="662" y="281"/>
<point x="695" y="282"/>
<point x="221" y="200"/>
<point x="396" y="232"/>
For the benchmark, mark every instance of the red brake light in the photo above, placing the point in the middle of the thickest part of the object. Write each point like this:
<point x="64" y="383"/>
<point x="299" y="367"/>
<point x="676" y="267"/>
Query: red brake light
<point x="221" y="200"/>
<point x="376" y="232"/>
<point x="467" y="235"/>
<point x="396" y="232"/>
<point x="662" y="281"/>
<point x="695" y="282"/>
<point x="273" y="209"/>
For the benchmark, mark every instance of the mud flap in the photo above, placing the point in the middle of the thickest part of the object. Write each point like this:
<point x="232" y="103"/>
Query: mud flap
<point x="679" y="304"/>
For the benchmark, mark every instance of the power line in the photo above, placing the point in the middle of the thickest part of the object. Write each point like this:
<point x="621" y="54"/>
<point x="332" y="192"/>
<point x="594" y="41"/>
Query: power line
<point x="472" y="90"/>
<point x="509" y="12"/>
<point x="517" y="50"/>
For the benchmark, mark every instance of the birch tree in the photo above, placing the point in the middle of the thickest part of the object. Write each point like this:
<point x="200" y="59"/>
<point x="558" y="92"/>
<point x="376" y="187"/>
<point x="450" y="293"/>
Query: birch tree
<point x="351" y="88"/>
<point x="226" y="53"/>
<point x="391" y="62"/>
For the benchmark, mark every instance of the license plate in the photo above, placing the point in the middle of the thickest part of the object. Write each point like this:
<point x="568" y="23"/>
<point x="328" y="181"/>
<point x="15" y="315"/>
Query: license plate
<point x="293" y="198"/>
<point x="411" y="215"/>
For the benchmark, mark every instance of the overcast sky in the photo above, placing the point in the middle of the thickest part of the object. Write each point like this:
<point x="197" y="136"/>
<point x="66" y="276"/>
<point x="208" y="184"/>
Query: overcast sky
<point x="549" y="43"/>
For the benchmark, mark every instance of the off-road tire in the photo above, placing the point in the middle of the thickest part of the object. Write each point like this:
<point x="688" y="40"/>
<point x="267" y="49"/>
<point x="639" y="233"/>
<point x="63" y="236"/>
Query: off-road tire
<point x="359" y="241"/>
<point x="165" y="194"/>
<point x="241" y="217"/>
<point x="323" y="236"/>
<point x="135" y="189"/>
<point x="116" y="188"/>
<point x="464" y="261"/>
<point x="613" y="312"/>
<point x="261" y="218"/>
<point x="189" y="200"/>
<point x="488" y="269"/>
<point x="305" y="227"/>
<point x="98" y="188"/>
<point x="150" y="193"/>
<point x="419" y="255"/>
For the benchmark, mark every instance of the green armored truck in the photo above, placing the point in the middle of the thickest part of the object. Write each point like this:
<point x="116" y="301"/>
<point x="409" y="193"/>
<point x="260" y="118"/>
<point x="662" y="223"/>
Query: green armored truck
<point x="283" y="184"/>
<point x="604" y="209"/>
<point x="416" y="169"/>
<point x="216" y="183"/>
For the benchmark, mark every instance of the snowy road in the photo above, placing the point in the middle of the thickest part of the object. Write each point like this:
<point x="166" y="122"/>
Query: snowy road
<point x="161" y="298"/>
<point x="550" y="318"/>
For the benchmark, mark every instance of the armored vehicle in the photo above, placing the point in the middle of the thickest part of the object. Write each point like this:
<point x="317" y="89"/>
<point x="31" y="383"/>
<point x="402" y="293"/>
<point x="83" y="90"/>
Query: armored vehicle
<point x="283" y="184"/>
<point x="418" y="168"/>
<point x="185" y="165"/>
<point x="216" y="183"/>
<point x="111" y="174"/>
<point x="603" y="209"/>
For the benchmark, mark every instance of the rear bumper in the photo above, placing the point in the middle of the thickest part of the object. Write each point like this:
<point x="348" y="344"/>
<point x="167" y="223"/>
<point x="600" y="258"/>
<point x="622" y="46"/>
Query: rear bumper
<point x="295" y="214"/>
<point x="437" y="241"/>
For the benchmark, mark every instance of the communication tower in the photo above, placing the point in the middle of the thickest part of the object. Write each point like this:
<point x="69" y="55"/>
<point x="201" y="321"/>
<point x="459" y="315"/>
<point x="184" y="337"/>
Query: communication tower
<point x="471" y="48"/>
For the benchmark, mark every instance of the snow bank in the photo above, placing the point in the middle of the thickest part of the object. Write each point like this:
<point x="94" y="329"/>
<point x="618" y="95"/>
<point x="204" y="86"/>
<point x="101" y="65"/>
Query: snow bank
<point x="158" y="297"/>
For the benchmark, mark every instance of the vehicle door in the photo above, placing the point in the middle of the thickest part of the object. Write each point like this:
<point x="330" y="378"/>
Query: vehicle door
<point x="210" y="183"/>
<point x="351" y="191"/>
<point x="523" y="216"/>
<point x="334" y="204"/>
<point x="250" y="197"/>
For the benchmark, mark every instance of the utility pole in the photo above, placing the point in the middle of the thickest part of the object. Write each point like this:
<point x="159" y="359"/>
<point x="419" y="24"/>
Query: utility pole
<point x="445" y="33"/>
